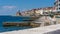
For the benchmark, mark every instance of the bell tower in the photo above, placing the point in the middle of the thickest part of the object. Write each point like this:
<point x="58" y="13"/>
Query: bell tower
<point x="18" y="13"/>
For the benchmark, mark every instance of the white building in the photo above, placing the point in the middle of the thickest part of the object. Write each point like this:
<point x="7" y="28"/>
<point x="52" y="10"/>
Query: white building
<point x="39" y="12"/>
<point x="57" y="5"/>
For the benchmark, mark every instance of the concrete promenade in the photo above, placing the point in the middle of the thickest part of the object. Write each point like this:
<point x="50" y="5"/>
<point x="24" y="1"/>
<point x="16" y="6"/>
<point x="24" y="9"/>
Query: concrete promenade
<point x="38" y="30"/>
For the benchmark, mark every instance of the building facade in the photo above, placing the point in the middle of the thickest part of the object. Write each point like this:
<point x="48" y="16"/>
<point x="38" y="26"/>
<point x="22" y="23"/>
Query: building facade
<point x="37" y="11"/>
<point x="57" y="5"/>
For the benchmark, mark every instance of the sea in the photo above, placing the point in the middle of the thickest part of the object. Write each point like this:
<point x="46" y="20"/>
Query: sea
<point x="12" y="19"/>
<point x="5" y="18"/>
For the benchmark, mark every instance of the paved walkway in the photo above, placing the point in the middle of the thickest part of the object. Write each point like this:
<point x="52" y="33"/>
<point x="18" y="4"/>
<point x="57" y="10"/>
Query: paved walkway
<point x="38" y="30"/>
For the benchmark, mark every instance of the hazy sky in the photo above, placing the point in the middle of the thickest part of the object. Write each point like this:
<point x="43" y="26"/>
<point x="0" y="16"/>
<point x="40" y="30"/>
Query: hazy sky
<point x="10" y="7"/>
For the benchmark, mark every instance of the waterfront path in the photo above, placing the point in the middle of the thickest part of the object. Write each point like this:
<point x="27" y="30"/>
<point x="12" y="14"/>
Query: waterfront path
<point x="38" y="30"/>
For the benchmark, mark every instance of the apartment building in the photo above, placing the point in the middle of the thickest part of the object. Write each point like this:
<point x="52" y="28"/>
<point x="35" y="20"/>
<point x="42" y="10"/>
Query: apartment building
<point x="57" y="5"/>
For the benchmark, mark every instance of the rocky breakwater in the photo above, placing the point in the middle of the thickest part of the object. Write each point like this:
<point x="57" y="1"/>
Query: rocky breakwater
<point x="9" y="24"/>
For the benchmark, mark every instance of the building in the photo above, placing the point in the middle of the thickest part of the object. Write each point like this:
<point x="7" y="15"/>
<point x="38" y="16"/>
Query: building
<point x="26" y="13"/>
<point x="36" y="12"/>
<point x="57" y="5"/>
<point x="48" y="10"/>
<point x="39" y="11"/>
<point x="23" y="14"/>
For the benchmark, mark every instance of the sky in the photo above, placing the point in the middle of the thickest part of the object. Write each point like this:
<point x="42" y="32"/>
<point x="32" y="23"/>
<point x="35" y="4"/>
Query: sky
<point x="10" y="7"/>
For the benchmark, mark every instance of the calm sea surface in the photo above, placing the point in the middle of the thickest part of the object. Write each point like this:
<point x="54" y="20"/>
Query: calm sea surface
<point x="12" y="19"/>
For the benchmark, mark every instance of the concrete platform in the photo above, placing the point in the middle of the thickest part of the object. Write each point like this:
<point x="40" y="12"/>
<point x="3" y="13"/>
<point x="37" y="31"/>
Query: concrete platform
<point x="38" y="30"/>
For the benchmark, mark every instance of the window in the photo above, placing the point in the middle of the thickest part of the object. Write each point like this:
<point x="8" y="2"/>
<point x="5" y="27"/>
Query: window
<point x="59" y="4"/>
<point x="59" y="8"/>
<point x="59" y="0"/>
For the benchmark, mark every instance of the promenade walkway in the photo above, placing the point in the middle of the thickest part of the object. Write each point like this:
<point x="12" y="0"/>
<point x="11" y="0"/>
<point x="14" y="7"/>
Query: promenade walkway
<point x="38" y="30"/>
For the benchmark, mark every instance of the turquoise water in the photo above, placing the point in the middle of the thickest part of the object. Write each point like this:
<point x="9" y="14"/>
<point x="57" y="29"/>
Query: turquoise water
<point x="12" y="19"/>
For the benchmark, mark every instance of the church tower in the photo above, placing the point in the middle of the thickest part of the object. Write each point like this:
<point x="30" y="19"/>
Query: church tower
<point x="18" y="13"/>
